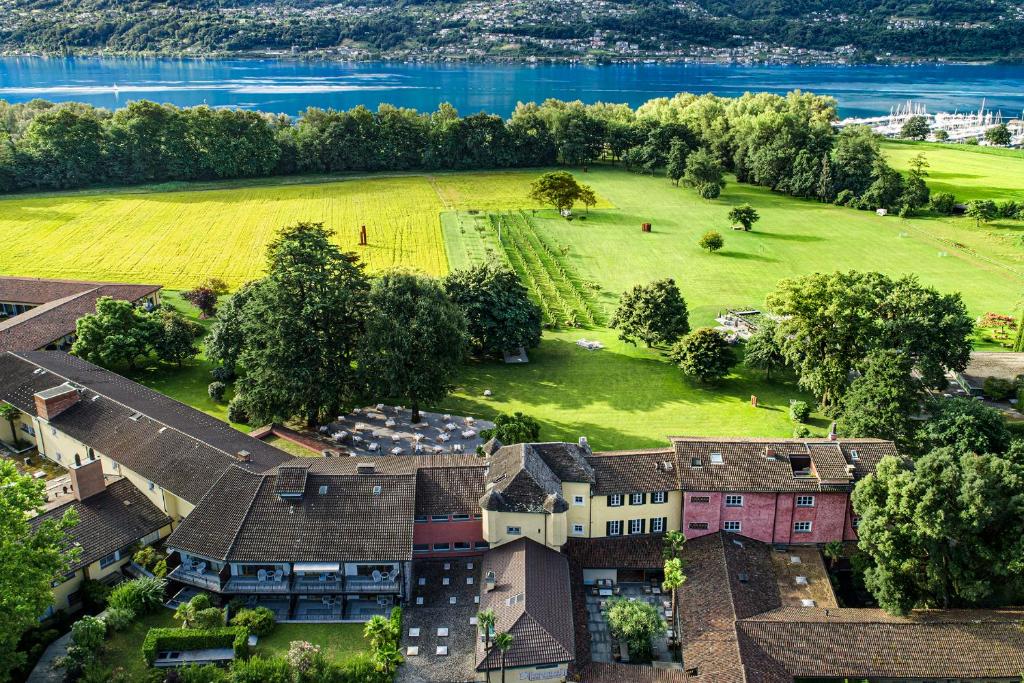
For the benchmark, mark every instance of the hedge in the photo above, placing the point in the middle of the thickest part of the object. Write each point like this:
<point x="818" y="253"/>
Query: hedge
<point x="180" y="639"/>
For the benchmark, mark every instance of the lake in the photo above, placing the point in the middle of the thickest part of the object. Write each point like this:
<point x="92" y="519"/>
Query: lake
<point x="286" y="86"/>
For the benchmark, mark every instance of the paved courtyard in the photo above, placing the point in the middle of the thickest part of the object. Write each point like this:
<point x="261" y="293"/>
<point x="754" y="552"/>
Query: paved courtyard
<point x="383" y="429"/>
<point x="602" y="646"/>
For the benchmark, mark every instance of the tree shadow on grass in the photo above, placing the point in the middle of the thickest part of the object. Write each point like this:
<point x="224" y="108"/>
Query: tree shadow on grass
<point x="747" y="256"/>
<point x="787" y="236"/>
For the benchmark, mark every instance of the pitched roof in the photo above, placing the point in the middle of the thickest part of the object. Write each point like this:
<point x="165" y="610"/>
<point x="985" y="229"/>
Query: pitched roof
<point x="173" y="445"/>
<point x="35" y="291"/>
<point x="107" y="521"/>
<point x="59" y="305"/>
<point x="767" y="465"/>
<point x="449" y="490"/>
<point x="340" y="517"/>
<point x="532" y="601"/>
<point x="635" y="472"/>
<point x="520" y="480"/>
<point x="973" y="644"/>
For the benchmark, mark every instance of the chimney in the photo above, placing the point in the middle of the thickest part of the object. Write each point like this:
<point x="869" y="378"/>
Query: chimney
<point x="366" y="468"/>
<point x="489" y="581"/>
<point x="584" y="444"/>
<point x="52" y="402"/>
<point x="832" y="436"/>
<point x="243" y="456"/>
<point x="769" y="452"/>
<point x="87" y="477"/>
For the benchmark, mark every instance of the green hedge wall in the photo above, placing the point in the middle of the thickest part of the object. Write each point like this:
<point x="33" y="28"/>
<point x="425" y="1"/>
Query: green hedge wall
<point x="161" y="639"/>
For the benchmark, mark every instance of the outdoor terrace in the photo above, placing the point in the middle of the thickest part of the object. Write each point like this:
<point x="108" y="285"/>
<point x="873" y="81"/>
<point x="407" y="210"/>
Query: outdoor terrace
<point x="207" y="579"/>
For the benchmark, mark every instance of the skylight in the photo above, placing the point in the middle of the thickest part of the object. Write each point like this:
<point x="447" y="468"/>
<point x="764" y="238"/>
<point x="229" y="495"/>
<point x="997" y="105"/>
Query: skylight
<point x="716" y="459"/>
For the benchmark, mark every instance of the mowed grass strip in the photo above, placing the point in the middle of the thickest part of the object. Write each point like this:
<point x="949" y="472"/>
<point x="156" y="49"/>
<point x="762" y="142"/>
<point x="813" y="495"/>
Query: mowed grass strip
<point x="968" y="171"/>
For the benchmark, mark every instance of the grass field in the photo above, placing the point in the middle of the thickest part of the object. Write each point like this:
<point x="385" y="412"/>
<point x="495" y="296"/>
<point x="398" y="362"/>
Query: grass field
<point x="619" y="397"/>
<point x="969" y="172"/>
<point x="178" y="238"/>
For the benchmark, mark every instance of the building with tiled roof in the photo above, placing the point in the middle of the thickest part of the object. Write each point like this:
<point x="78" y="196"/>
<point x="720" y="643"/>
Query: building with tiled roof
<point x="527" y="586"/>
<point x="39" y="314"/>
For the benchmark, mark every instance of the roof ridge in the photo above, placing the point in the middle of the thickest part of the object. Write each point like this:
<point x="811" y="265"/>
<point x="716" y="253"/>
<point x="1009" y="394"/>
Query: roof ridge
<point x="19" y="354"/>
<point x="248" y="509"/>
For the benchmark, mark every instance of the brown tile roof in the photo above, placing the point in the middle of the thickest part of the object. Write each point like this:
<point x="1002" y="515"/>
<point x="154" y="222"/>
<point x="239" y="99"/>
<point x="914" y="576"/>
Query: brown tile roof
<point x="535" y="580"/>
<point x="449" y="490"/>
<point x="117" y="517"/>
<point x="746" y="465"/>
<point x="637" y="472"/>
<point x="291" y="478"/>
<point x="35" y="291"/>
<point x="600" y="672"/>
<point x="346" y="517"/>
<point x="973" y="644"/>
<point x="171" y="444"/>
<point x="617" y="552"/>
<point x="59" y="306"/>
<point x="568" y="461"/>
<point x="520" y="480"/>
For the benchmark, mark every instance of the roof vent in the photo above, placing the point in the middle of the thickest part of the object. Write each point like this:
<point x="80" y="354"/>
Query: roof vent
<point x="737" y="542"/>
<point x="94" y="397"/>
<point x="162" y="430"/>
<point x="323" y="490"/>
<point x="743" y="577"/>
<point x="666" y="465"/>
<point x="243" y="456"/>
<point x="135" y="416"/>
<point x="377" y="490"/>
<point x="39" y="371"/>
<point x="366" y="468"/>
<point x="716" y="459"/>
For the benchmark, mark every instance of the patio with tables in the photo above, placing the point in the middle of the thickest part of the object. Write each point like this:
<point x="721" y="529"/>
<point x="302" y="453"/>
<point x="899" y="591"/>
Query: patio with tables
<point x="383" y="429"/>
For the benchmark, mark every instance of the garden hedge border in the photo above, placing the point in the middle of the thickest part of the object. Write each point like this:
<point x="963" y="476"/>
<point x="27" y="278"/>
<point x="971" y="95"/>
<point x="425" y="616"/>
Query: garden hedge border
<point x="161" y="639"/>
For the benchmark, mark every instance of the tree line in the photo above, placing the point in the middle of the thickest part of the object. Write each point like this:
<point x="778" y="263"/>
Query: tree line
<point x="786" y="143"/>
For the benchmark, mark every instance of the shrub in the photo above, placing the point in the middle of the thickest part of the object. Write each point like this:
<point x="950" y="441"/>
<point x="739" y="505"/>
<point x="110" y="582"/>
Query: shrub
<point x="799" y="411"/>
<point x="96" y="673"/>
<point x="712" y="241"/>
<point x="209" y="673"/>
<point x="160" y="639"/>
<point x="307" y="662"/>
<point x="998" y="389"/>
<point x="259" y="621"/>
<point x="845" y="198"/>
<point x="89" y="633"/>
<point x="160" y="568"/>
<point x="145" y="557"/>
<point x="216" y="390"/>
<point x="236" y="410"/>
<point x="211" y="617"/>
<point x="95" y="594"/>
<point x="201" y="601"/>
<point x="943" y="202"/>
<point x="259" y="670"/>
<point x="222" y="373"/>
<point x="801" y="432"/>
<point x="118" y="618"/>
<point x="141" y="596"/>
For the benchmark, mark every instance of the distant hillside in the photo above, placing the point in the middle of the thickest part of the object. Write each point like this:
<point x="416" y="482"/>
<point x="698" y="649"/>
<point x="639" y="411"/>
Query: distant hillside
<point x="593" y="30"/>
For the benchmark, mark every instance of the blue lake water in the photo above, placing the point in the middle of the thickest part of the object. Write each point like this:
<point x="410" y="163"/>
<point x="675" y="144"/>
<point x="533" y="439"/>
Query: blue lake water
<point x="288" y="87"/>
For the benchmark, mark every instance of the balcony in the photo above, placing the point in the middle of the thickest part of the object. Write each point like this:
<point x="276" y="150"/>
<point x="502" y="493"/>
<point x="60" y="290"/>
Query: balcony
<point x="317" y="584"/>
<point x="245" y="584"/>
<point x="365" y="584"/>
<point x="206" y="579"/>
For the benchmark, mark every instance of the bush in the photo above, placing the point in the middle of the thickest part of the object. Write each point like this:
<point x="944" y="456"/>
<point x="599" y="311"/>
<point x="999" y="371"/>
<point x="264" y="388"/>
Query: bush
<point x="998" y="389"/>
<point x="799" y="411"/>
<point x="89" y="633"/>
<point x="160" y="568"/>
<point x="712" y="241"/>
<point x="160" y="639"/>
<point x="307" y="662"/>
<point x="801" y="432"/>
<point x="259" y="621"/>
<point x="222" y="373"/>
<point x="201" y="601"/>
<point x="845" y="198"/>
<point x="95" y="594"/>
<point x="145" y="557"/>
<point x="118" y="618"/>
<point x="211" y="617"/>
<point x="943" y="202"/>
<point x="141" y="596"/>
<point x="236" y="410"/>
<point x="216" y="390"/>
<point x="209" y="673"/>
<point x="259" y="670"/>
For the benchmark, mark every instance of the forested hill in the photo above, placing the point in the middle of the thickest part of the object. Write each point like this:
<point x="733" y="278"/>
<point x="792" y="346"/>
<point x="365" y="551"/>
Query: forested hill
<point x="773" y="30"/>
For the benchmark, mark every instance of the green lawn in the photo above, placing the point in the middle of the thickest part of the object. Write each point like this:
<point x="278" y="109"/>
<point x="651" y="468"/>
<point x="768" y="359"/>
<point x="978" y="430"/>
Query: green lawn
<point x="124" y="650"/>
<point x="337" y="641"/>
<point x="968" y="171"/>
<point x="619" y="397"/>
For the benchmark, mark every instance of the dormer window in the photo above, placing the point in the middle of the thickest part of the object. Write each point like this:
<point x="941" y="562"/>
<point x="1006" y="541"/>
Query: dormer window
<point x="801" y="465"/>
<point x="854" y="455"/>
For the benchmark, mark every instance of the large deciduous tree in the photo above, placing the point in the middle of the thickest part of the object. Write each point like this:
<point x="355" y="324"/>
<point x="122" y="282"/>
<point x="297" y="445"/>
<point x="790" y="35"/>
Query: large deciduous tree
<point x="829" y="322"/>
<point x="31" y="557"/>
<point x="654" y="313"/>
<point x="937" y="531"/>
<point x="557" y="188"/>
<point x="882" y="401"/>
<point x="635" y="623"/>
<point x="704" y="172"/>
<point x="499" y="312"/>
<point x="704" y="354"/>
<point x="178" y="336"/>
<point x="416" y="338"/>
<point x="117" y="334"/>
<point x="296" y="331"/>
<point x="965" y="425"/>
<point x="763" y="350"/>
<point x="744" y="215"/>
<point x="512" y="429"/>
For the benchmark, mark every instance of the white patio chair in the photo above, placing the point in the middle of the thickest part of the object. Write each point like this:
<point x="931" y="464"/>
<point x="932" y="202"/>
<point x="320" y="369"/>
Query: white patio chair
<point x="261" y="575"/>
<point x="376" y="576"/>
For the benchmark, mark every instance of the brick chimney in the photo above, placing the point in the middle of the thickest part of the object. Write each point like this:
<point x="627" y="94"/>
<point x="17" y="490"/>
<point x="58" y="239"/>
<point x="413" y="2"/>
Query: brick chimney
<point x="87" y="476"/>
<point x="52" y="402"/>
<point x="243" y="456"/>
